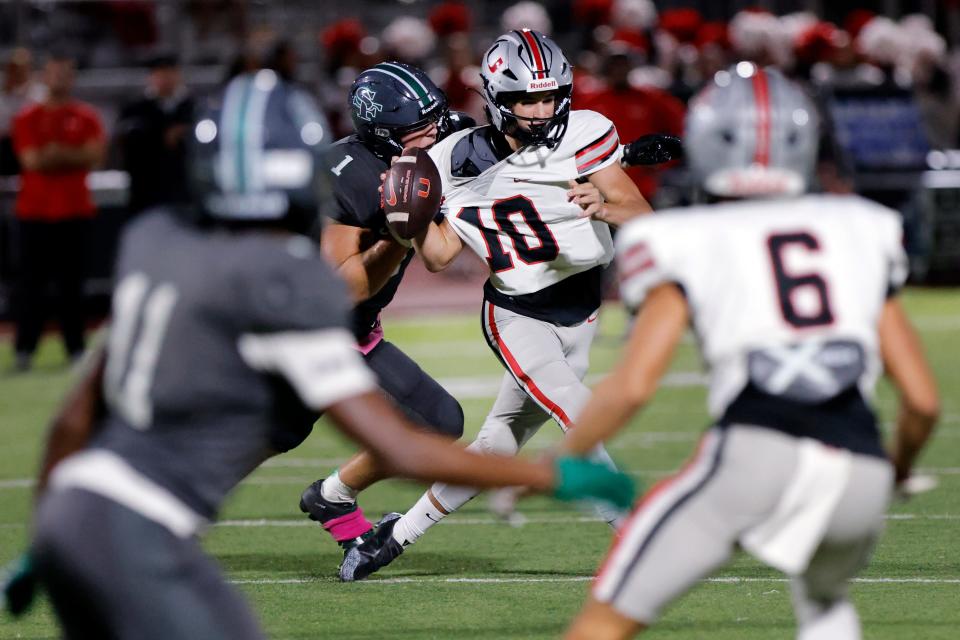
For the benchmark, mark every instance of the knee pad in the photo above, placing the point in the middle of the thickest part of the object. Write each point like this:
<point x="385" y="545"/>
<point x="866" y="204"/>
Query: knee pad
<point x="418" y="395"/>
<point x="447" y="417"/>
<point x="497" y="438"/>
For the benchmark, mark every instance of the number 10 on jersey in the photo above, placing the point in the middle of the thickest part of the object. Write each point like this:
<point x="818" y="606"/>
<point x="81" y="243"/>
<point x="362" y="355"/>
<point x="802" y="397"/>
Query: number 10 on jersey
<point x="534" y="246"/>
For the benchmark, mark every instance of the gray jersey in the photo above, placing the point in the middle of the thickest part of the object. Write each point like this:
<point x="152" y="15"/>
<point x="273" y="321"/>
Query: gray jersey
<point x="223" y="347"/>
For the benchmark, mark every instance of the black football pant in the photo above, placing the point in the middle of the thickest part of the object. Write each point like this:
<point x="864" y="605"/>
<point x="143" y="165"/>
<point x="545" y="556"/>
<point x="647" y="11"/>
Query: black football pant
<point x="113" y="574"/>
<point x="51" y="253"/>
<point x="414" y="392"/>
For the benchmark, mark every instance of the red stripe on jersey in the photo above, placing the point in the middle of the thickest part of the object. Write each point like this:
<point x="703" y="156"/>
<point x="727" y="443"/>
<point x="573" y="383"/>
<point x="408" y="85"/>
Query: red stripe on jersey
<point x="583" y="168"/>
<point x="636" y="270"/>
<point x="521" y="375"/>
<point x="761" y="95"/>
<point x="647" y="498"/>
<point x="605" y="138"/>
<point x="628" y="263"/>
<point x="535" y="54"/>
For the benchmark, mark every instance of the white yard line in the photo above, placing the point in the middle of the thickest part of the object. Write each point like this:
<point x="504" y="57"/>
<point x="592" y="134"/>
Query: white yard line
<point x="475" y="521"/>
<point x="527" y="580"/>
<point x="324" y="463"/>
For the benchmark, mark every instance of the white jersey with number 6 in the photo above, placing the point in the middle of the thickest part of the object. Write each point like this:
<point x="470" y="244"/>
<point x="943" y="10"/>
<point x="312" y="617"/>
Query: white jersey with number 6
<point x="784" y="294"/>
<point x="516" y="214"/>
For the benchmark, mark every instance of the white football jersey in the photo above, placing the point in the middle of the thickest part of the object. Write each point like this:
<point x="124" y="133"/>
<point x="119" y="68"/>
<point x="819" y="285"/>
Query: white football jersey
<point x="784" y="294"/>
<point x="516" y="214"/>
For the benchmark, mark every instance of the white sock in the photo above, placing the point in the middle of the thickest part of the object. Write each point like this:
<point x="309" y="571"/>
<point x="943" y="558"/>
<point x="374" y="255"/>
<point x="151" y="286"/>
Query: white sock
<point x="839" y="621"/>
<point x="424" y="514"/>
<point x="334" y="490"/>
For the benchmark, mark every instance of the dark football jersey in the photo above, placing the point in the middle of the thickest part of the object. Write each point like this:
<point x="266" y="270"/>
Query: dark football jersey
<point x="223" y="347"/>
<point x="355" y="176"/>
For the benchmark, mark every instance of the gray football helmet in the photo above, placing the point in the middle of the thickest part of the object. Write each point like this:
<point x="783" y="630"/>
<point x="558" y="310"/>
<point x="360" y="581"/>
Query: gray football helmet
<point x="522" y="62"/>
<point x="752" y="133"/>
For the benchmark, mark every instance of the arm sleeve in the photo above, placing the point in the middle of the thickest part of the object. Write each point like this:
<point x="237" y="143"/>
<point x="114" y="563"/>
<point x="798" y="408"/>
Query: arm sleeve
<point x="23" y="134"/>
<point x="298" y="313"/>
<point x="642" y="263"/>
<point x="356" y="198"/>
<point x="93" y="126"/>
<point x="602" y="147"/>
<point x="898" y="266"/>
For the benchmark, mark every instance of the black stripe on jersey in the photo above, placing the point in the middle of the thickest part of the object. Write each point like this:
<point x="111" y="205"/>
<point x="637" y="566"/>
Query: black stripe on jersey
<point x="566" y="303"/>
<point x="595" y="142"/>
<point x="595" y="163"/>
<point x="682" y="500"/>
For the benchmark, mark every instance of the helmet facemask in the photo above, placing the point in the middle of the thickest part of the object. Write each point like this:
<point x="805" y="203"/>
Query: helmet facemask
<point x="547" y="132"/>
<point x="521" y="63"/>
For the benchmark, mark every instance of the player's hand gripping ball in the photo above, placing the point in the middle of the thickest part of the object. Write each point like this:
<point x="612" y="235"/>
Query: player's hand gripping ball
<point x="411" y="193"/>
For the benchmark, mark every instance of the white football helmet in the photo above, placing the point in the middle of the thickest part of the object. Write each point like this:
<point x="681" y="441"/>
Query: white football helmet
<point x="522" y="62"/>
<point x="752" y="133"/>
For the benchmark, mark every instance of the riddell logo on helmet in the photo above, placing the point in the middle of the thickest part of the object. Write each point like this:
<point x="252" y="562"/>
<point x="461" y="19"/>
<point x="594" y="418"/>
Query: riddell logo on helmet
<point x="542" y="85"/>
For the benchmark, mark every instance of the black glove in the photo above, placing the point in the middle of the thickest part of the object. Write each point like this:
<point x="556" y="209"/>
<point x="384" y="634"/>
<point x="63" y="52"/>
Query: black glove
<point x="19" y="585"/>
<point x="652" y="149"/>
<point x="454" y="121"/>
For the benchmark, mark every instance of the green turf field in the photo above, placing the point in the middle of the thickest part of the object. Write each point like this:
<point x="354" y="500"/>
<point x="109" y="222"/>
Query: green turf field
<point x="473" y="577"/>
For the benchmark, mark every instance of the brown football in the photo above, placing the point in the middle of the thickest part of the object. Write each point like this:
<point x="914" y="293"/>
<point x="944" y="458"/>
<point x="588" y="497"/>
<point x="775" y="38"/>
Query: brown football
<point x="411" y="193"/>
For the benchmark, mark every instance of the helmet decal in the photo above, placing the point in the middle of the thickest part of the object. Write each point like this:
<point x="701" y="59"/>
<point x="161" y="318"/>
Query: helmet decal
<point x="392" y="99"/>
<point x="408" y="80"/>
<point x="535" y="53"/>
<point x="367" y="108"/>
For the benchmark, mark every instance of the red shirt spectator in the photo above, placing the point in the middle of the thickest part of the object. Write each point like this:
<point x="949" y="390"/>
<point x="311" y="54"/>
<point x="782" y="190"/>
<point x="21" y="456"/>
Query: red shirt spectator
<point x="637" y="112"/>
<point x="54" y="187"/>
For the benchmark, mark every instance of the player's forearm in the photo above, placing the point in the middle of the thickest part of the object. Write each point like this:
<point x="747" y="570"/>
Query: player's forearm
<point x="913" y="431"/>
<point x="431" y="458"/>
<point x="64" y="157"/>
<point x="407" y="451"/>
<point x="617" y="214"/>
<point x="438" y="246"/>
<point x="367" y="272"/>
<point x="609" y="409"/>
<point x="75" y="422"/>
<point x="907" y="367"/>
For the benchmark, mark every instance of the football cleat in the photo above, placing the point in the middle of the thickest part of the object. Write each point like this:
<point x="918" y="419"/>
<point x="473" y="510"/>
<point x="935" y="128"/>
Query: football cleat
<point x="373" y="554"/>
<point x="344" y="520"/>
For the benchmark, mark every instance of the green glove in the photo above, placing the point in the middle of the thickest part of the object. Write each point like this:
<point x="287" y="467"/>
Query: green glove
<point x="579" y="478"/>
<point x="19" y="585"/>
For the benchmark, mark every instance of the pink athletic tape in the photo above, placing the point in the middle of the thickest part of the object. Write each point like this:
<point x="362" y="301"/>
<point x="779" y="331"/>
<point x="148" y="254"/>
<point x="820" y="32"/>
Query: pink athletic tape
<point x="349" y="526"/>
<point x="366" y="344"/>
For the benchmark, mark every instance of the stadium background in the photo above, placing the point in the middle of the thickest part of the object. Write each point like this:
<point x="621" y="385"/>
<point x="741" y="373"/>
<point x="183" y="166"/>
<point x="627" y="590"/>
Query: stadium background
<point x="476" y="577"/>
<point x="887" y="67"/>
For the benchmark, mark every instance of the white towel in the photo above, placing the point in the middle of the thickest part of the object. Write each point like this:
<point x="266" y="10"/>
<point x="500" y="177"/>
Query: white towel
<point x="787" y="539"/>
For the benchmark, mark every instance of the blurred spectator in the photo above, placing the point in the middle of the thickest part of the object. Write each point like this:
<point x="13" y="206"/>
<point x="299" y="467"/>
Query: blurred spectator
<point x="408" y="39"/>
<point x="527" y="15"/>
<point x="152" y="137"/>
<point x="283" y="59"/>
<point x="636" y="111"/>
<point x="348" y="49"/>
<point x="18" y="90"/>
<point x="57" y="142"/>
